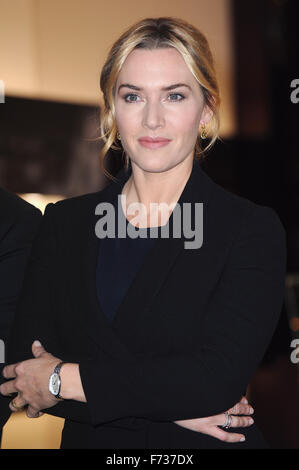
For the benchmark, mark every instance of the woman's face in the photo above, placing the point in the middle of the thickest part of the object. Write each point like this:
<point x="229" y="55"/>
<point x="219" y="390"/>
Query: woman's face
<point x="158" y="97"/>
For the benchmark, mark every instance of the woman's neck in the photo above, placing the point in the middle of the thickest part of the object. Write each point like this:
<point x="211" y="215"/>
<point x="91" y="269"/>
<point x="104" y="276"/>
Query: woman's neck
<point x="162" y="188"/>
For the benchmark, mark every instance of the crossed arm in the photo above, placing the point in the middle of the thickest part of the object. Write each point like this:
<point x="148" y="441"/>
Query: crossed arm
<point x="31" y="385"/>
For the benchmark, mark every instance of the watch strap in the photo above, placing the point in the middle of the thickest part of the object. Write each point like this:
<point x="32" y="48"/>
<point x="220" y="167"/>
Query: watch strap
<point x="58" y="367"/>
<point x="57" y="371"/>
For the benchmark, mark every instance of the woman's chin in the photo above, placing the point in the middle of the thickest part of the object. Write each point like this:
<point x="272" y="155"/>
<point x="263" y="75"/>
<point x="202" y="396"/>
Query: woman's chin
<point x="153" y="165"/>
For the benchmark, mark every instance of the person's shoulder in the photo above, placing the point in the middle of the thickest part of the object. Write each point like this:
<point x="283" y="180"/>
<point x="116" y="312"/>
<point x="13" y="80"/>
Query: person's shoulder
<point x="78" y="201"/>
<point x="240" y="211"/>
<point x="70" y="207"/>
<point x="13" y="206"/>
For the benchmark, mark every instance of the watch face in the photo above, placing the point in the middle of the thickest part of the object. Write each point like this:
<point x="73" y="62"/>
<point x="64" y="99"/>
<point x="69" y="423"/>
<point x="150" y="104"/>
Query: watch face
<point x="54" y="384"/>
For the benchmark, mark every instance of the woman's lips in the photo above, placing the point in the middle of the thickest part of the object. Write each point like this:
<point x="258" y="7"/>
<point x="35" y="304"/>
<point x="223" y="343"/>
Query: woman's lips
<point x="153" y="143"/>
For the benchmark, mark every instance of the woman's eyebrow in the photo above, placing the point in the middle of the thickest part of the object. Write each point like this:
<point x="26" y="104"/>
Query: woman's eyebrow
<point x="167" y="88"/>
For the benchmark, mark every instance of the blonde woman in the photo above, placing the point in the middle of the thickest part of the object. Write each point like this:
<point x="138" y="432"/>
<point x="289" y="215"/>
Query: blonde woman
<point x="159" y="337"/>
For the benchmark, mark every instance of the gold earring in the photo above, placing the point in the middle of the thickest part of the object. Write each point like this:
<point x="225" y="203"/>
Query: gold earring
<point x="203" y="134"/>
<point x="118" y="136"/>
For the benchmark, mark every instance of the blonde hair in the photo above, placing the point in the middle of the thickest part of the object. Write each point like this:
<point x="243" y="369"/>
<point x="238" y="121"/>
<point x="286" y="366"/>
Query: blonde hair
<point x="156" y="33"/>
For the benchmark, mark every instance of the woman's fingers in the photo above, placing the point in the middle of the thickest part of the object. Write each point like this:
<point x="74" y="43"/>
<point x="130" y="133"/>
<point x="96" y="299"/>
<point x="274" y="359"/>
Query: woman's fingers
<point x="241" y="409"/>
<point x="240" y="421"/>
<point x="236" y="422"/>
<point x="33" y="413"/>
<point x="37" y="349"/>
<point x="9" y="371"/>
<point x="8" y="387"/>
<point x="226" y="436"/>
<point x="17" y="404"/>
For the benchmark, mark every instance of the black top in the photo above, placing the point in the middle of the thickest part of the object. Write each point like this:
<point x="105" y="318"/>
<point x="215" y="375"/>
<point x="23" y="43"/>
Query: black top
<point x="119" y="260"/>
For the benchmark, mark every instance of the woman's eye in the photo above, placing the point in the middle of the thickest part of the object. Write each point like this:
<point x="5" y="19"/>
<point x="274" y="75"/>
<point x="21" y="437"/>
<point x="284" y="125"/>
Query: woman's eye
<point x="177" y="94"/>
<point x="129" y="96"/>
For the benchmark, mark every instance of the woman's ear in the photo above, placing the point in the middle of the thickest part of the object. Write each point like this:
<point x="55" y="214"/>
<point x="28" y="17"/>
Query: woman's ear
<point x="206" y="115"/>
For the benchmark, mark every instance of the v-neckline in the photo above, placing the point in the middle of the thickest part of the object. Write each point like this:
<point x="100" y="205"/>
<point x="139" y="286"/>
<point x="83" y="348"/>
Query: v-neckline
<point x="135" y="304"/>
<point x="116" y="256"/>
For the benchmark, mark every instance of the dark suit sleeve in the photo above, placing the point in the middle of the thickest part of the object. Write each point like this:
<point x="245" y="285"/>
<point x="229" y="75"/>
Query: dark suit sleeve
<point x="33" y="318"/>
<point x="35" y="315"/>
<point x="14" y="253"/>
<point x="239" y="323"/>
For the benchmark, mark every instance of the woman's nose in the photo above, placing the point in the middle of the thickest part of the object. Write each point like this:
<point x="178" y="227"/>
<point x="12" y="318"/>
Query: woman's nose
<point x="153" y="116"/>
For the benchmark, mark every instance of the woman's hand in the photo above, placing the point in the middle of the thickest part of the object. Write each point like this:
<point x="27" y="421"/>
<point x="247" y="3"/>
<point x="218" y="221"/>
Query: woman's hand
<point x="210" y="424"/>
<point x="30" y="380"/>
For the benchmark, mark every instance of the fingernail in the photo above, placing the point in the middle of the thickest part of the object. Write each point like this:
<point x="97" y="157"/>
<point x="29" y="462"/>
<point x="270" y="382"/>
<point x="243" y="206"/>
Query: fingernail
<point x="37" y="343"/>
<point x="242" y="439"/>
<point x="251" y="421"/>
<point x="251" y="411"/>
<point x="245" y="401"/>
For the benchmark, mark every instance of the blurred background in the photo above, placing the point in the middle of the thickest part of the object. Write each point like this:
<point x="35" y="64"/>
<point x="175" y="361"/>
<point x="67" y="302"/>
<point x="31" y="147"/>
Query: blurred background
<point x="51" y="54"/>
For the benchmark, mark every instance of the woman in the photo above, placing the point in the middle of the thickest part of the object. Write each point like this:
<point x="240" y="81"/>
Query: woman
<point x="159" y="337"/>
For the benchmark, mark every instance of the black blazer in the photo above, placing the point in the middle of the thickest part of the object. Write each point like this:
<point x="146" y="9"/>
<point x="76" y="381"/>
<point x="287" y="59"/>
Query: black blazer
<point x="188" y="335"/>
<point x="19" y="222"/>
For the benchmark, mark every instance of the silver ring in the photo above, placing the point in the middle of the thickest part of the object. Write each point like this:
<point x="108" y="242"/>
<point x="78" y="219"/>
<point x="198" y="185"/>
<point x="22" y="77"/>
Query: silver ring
<point x="228" y="420"/>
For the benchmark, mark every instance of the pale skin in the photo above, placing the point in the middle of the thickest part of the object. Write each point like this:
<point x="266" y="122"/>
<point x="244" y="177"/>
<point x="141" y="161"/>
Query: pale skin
<point x="143" y="108"/>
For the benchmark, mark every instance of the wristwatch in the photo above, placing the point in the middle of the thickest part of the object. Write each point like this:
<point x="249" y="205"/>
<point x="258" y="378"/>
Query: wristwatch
<point x="55" y="381"/>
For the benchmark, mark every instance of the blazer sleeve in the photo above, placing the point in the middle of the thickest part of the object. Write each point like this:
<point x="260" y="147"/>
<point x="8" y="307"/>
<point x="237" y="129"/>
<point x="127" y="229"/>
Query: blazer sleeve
<point x="239" y="322"/>
<point x="35" y="315"/>
<point x="14" y="253"/>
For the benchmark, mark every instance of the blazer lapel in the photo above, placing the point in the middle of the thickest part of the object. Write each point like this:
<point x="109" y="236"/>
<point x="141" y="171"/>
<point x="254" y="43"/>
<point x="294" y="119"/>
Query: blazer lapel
<point x="145" y="287"/>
